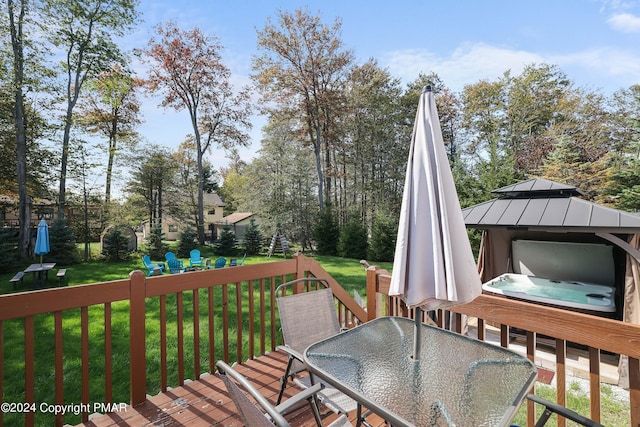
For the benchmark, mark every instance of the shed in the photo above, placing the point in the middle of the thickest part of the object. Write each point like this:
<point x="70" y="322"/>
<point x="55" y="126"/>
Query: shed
<point x="237" y="222"/>
<point x="539" y="210"/>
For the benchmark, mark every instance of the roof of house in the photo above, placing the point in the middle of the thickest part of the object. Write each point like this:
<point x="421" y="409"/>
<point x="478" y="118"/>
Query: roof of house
<point x="235" y="218"/>
<point x="212" y="199"/>
<point x="547" y="205"/>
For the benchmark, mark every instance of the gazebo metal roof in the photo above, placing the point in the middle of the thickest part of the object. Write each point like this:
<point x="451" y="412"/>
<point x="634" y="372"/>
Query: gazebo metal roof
<point x="540" y="204"/>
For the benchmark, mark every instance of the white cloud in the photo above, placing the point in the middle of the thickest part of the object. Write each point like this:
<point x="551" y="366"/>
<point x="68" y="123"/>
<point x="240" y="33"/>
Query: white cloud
<point x="466" y="65"/>
<point x="606" y="68"/>
<point x="625" y="22"/>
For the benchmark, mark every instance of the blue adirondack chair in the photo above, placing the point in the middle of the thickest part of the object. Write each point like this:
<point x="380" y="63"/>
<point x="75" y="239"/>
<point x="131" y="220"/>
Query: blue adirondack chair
<point x="175" y="265"/>
<point x="220" y="262"/>
<point x="195" y="259"/>
<point x="151" y="266"/>
<point x="170" y="255"/>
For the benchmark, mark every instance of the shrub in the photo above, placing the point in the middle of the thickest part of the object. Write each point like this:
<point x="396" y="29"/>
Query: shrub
<point x="115" y="245"/>
<point x="353" y="239"/>
<point x="155" y="248"/>
<point x="326" y="234"/>
<point x="186" y="243"/>
<point x="8" y="249"/>
<point x="226" y="243"/>
<point x="384" y="233"/>
<point x="253" y="239"/>
<point x="62" y="242"/>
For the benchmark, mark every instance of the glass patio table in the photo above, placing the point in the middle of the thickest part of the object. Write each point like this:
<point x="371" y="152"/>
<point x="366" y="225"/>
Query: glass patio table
<point x="457" y="381"/>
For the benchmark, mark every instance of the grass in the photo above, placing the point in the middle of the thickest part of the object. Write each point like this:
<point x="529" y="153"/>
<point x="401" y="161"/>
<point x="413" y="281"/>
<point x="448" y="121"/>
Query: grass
<point x="615" y="413"/>
<point x="348" y="272"/>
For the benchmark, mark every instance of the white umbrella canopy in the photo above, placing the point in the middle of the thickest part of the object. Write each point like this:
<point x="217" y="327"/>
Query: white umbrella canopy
<point x="433" y="264"/>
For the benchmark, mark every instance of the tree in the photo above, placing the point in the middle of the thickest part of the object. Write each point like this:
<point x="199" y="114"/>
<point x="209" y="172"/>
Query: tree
<point x="63" y="243"/>
<point x="353" y="239"/>
<point x="186" y="242"/>
<point x="279" y="186"/>
<point x="151" y="178"/>
<point x="111" y="110"/>
<point x="326" y="233"/>
<point x="16" y="22"/>
<point x="84" y="30"/>
<point x="186" y="66"/>
<point x="382" y="244"/>
<point x="253" y="240"/>
<point x="303" y="70"/>
<point x="26" y="71"/>
<point x="115" y="244"/>
<point x="155" y="245"/>
<point x="226" y="244"/>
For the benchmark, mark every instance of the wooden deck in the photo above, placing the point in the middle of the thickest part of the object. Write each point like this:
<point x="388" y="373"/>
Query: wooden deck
<point x="205" y="402"/>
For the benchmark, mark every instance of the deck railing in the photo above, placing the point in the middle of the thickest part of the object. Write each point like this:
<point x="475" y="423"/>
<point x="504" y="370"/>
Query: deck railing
<point x="162" y="330"/>
<point x="177" y="327"/>
<point x="596" y="333"/>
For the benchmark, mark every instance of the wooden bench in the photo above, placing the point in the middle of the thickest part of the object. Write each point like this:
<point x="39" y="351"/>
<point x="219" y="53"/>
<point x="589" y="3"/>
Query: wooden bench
<point x="17" y="278"/>
<point x="60" y="275"/>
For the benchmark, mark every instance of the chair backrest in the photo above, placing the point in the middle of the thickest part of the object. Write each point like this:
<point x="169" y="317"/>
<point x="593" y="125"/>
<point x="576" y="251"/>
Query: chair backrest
<point x="307" y="317"/>
<point x="169" y="255"/>
<point x="252" y="415"/>
<point x="220" y="262"/>
<point x="147" y="261"/>
<point x="174" y="265"/>
<point x="195" y="255"/>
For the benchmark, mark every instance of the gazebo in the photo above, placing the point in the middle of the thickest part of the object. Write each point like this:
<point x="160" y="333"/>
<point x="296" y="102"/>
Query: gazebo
<point x="563" y="236"/>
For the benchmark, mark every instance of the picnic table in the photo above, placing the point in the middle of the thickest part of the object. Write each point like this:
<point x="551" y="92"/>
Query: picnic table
<point x="42" y="269"/>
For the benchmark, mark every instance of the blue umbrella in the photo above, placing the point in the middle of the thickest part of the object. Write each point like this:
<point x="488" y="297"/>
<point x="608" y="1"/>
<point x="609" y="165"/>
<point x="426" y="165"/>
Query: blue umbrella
<point x="42" y="240"/>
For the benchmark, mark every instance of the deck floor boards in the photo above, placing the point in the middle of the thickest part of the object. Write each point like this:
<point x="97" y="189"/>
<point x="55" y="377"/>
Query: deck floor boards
<point x="205" y="402"/>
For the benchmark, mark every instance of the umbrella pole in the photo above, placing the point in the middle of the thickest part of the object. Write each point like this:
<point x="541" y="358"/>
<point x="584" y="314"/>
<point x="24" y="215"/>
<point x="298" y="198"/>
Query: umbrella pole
<point x="417" y="334"/>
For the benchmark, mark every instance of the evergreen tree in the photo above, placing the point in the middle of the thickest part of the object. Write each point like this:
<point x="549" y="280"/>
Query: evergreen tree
<point x="253" y="239"/>
<point x="187" y="242"/>
<point x="226" y="243"/>
<point x="115" y="244"/>
<point x="382" y="244"/>
<point x="326" y="234"/>
<point x="155" y="247"/>
<point x="8" y="249"/>
<point x="63" y="243"/>
<point x="353" y="239"/>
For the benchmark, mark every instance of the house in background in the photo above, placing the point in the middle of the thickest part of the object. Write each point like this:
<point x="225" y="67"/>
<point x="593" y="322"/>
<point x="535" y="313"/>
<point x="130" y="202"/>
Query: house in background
<point x="39" y="209"/>
<point x="238" y="223"/>
<point x="171" y="227"/>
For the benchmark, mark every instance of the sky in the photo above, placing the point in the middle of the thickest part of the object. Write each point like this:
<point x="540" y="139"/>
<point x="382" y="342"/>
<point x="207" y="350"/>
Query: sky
<point x="595" y="42"/>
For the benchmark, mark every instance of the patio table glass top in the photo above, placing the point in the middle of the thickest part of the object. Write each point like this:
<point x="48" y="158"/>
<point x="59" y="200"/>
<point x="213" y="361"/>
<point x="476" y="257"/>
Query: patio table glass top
<point x="457" y="381"/>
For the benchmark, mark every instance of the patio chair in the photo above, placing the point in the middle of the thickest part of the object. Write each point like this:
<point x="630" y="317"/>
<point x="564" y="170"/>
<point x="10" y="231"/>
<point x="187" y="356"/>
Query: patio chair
<point x="220" y="262"/>
<point x="550" y="407"/>
<point x="151" y="266"/>
<point x="195" y="259"/>
<point x="175" y="265"/>
<point x="170" y="255"/>
<point x="254" y="415"/>
<point x="306" y="318"/>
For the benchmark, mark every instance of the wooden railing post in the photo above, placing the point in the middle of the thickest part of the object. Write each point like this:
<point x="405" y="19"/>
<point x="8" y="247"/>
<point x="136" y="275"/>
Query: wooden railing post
<point x="137" y="334"/>
<point x="372" y="290"/>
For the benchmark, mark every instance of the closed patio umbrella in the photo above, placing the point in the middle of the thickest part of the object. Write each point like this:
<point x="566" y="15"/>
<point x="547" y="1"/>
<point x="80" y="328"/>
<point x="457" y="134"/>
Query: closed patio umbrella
<point x="433" y="264"/>
<point x="42" y="239"/>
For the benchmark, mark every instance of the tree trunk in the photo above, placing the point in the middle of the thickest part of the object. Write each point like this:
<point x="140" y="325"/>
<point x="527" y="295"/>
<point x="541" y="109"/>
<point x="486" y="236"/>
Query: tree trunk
<point x="24" y="211"/>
